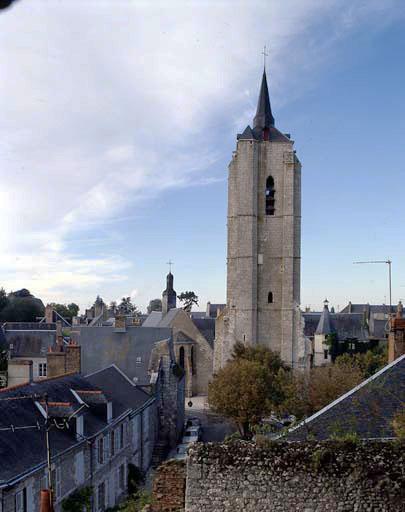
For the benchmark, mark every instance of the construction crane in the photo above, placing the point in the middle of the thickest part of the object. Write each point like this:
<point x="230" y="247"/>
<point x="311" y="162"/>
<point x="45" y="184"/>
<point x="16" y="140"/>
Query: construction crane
<point x="386" y="262"/>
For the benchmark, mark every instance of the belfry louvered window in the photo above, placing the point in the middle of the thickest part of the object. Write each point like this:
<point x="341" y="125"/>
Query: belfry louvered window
<point x="270" y="192"/>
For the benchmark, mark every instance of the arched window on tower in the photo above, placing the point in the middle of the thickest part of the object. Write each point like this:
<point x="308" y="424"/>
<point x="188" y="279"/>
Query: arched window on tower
<point x="270" y="202"/>
<point x="181" y="357"/>
<point x="270" y="298"/>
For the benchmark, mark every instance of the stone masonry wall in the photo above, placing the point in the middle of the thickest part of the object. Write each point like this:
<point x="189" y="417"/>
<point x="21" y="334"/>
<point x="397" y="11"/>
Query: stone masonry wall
<point x="305" y="477"/>
<point x="169" y="487"/>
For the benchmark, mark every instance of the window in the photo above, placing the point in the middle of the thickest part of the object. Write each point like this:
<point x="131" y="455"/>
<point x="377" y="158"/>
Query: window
<point x="325" y="354"/>
<point x="270" y="192"/>
<point x="270" y="298"/>
<point x="100" y="450"/>
<point x="181" y="357"/>
<point x="122" y="435"/>
<point x="121" y="477"/>
<point x="101" y="497"/>
<point x="112" y="443"/>
<point x="42" y="369"/>
<point x="21" y="501"/>
<point x="138" y="360"/>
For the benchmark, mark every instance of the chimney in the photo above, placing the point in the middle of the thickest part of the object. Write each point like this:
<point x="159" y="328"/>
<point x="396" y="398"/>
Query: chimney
<point x="120" y="323"/>
<point x="208" y="310"/>
<point x="46" y="502"/>
<point x="396" y="338"/>
<point x="73" y="361"/>
<point x="400" y="310"/>
<point x="49" y="314"/>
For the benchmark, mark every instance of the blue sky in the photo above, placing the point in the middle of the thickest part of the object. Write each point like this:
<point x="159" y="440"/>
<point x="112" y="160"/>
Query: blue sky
<point x="119" y="120"/>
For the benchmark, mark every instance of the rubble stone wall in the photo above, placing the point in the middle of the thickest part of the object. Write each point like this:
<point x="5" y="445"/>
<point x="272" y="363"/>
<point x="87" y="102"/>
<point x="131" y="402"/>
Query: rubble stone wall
<point x="169" y="487"/>
<point x="306" y="477"/>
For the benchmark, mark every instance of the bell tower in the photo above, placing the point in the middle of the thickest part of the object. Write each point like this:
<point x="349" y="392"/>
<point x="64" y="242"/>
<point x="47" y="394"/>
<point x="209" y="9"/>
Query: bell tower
<point x="264" y="239"/>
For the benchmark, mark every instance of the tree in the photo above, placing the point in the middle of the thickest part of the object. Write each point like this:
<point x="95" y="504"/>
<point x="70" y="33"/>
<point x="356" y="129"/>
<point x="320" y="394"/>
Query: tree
<point x="67" y="311"/>
<point x="306" y="395"/>
<point x="22" y="307"/>
<point x="3" y="299"/>
<point x="398" y="423"/>
<point x="240" y="391"/>
<point x="188" y="299"/>
<point x="368" y="363"/>
<point x="154" y="305"/>
<point x="126" y="307"/>
<point x="251" y="385"/>
<point x="261" y="354"/>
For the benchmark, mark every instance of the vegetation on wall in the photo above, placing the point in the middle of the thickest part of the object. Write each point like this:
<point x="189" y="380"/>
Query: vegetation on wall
<point x="79" y="500"/>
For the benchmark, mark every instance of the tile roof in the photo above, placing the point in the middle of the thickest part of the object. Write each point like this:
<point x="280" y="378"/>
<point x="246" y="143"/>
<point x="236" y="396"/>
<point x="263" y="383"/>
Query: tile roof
<point x="368" y="409"/>
<point x="207" y="328"/>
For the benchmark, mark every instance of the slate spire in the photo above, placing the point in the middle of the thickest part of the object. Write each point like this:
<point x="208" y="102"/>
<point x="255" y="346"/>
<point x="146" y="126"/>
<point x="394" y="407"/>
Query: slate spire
<point x="264" y="117"/>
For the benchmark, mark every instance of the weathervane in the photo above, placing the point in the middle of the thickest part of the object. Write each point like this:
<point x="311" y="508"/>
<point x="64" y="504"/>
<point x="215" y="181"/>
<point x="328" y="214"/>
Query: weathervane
<point x="170" y="263"/>
<point x="264" y="56"/>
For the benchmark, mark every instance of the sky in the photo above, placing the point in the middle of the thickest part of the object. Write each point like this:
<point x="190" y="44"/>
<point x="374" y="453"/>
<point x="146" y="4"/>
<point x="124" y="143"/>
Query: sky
<point x="119" y="118"/>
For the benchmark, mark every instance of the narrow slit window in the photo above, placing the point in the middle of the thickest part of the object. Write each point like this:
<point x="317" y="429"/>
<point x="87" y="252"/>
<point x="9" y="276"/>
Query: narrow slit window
<point x="270" y="298"/>
<point x="270" y="193"/>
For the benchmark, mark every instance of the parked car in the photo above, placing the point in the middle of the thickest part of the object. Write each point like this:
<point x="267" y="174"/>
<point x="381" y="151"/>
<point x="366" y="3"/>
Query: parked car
<point x="191" y="435"/>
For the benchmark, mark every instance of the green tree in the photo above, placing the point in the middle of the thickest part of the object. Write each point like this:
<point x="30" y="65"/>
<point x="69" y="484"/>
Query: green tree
<point x="126" y="307"/>
<point x="67" y="311"/>
<point x="3" y="299"/>
<point x="188" y="299"/>
<point x="368" y="363"/>
<point x="240" y="391"/>
<point x="22" y="307"/>
<point x="398" y="423"/>
<point x="154" y="305"/>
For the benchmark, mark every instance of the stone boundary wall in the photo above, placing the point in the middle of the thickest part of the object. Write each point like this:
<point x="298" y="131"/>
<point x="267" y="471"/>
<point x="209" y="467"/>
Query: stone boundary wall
<point x="169" y="487"/>
<point x="305" y="477"/>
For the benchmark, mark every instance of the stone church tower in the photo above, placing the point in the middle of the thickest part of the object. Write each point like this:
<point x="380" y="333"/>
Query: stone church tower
<point x="264" y="236"/>
<point x="169" y="295"/>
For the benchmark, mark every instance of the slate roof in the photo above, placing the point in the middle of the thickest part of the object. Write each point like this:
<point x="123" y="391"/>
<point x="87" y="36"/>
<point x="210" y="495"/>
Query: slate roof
<point x="374" y="308"/>
<point x="346" y="325"/>
<point x="130" y="350"/>
<point x="264" y="117"/>
<point x="157" y="319"/>
<point x="274" y="135"/>
<point x="22" y="450"/>
<point x="207" y="328"/>
<point x="367" y="409"/>
<point x="30" y="343"/>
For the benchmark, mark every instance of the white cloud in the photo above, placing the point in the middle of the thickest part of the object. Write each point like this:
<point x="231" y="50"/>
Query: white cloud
<point x="108" y="104"/>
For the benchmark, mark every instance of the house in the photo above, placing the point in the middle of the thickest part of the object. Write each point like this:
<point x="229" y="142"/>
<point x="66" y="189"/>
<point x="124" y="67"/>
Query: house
<point x="367" y="410"/>
<point x="146" y="355"/>
<point x="37" y="350"/>
<point x="98" y="426"/>
<point x="332" y="334"/>
<point x="193" y="339"/>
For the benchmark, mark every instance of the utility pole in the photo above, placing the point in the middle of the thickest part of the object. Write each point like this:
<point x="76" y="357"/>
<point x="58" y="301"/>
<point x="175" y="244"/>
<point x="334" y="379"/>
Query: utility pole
<point x="386" y="262"/>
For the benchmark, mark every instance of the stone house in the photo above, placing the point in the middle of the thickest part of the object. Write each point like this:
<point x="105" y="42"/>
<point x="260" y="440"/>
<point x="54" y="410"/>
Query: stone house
<point x="98" y="425"/>
<point x="146" y="355"/>
<point x="193" y="340"/>
<point x="39" y="350"/>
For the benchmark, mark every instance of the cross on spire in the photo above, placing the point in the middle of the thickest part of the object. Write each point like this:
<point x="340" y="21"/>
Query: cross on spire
<point x="265" y="54"/>
<point x="170" y="263"/>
